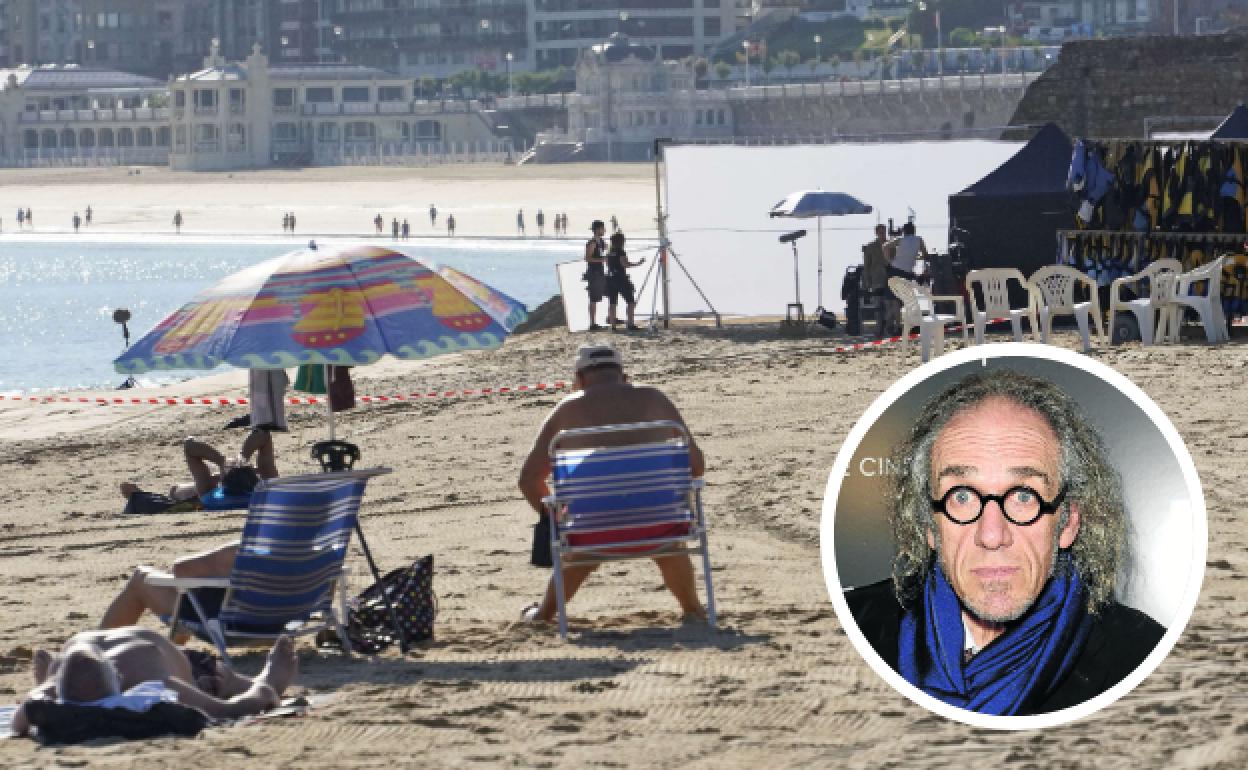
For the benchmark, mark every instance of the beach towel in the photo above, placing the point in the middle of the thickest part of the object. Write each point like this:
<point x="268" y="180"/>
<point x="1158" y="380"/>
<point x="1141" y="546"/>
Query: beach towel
<point x="267" y="394"/>
<point x="341" y="390"/>
<point x="75" y="723"/>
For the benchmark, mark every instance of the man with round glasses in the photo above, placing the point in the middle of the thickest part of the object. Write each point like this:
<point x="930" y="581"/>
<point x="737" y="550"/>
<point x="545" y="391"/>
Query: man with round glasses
<point x="1009" y="530"/>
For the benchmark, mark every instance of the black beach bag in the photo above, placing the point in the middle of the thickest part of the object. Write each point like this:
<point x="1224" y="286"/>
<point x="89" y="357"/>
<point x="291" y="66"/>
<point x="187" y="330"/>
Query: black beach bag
<point x="541" y="543"/>
<point x="411" y="591"/>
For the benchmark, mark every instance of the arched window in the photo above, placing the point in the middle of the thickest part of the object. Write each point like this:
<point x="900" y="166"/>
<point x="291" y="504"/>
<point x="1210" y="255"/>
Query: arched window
<point x="125" y="137"/>
<point x="69" y="138"/>
<point x="162" y="136"/>
<point x="49" y="139"/>
<point x="107" y="138"/>
<point x="86" y="138"/>
<point x="30" y="139"/>
<point x="145" y="136"/>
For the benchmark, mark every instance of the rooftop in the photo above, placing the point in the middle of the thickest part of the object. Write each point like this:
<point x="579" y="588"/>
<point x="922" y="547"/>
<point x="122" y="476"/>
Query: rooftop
<point x="74" y="78"/>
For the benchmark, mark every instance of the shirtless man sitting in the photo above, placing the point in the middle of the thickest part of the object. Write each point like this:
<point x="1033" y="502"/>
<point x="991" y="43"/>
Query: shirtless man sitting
<point x="604" y="396"/>
<point x="95" y="665"/>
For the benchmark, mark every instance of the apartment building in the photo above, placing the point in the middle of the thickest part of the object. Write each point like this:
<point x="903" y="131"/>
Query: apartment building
<point x="561" y="29"/>
<point x="431" y="38"/>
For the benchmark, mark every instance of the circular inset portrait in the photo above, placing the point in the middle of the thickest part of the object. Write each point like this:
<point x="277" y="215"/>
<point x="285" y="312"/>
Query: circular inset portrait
<point x="1014" y="536"/>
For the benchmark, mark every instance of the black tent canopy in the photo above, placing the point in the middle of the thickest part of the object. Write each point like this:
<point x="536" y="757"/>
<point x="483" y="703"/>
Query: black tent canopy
<point x="1234" y="127"/>
<point x="1010" y="218"/>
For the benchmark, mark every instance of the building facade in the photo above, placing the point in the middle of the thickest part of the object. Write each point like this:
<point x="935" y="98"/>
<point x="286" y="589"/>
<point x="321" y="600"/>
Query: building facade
<point x="431" y="38"/>
<point x="70" y="115"/>
<point x="250" y="114"/>
<point x="675" y="29"/>
<point x="627" y="97"/>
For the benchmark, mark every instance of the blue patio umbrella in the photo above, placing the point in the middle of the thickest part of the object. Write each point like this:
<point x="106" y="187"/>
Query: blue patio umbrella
<point x="805" y="204"/>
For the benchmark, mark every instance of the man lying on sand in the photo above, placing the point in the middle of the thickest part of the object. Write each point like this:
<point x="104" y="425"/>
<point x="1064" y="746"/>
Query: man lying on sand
<point x="95" y="667"/>
<point x="605" y="397"/>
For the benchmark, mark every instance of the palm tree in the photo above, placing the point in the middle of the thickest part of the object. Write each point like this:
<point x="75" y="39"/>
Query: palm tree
<point x="722" y="70"/>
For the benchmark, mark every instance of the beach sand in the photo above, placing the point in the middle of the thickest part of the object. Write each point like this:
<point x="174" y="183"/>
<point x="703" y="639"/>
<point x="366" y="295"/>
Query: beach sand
<point x="777" y="685"/>
<point x="339" y="201"/>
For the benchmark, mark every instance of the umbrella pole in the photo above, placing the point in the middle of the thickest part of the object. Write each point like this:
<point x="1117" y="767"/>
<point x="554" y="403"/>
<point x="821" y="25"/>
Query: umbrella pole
<point x="329" y="407"/>
<point x="819" y="307"/>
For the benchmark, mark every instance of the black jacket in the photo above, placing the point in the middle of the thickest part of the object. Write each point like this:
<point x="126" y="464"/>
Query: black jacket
<point x="1120" y="639"/>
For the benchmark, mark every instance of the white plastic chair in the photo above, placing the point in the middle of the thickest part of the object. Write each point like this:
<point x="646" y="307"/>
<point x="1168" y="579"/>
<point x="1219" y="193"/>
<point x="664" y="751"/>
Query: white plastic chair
<point x="1162" y="275"/>
<point x="918" y="309"/>
<point x="1053" y="294"/>
<point x="994" y="283"/>
<point x="1207" y="303"/>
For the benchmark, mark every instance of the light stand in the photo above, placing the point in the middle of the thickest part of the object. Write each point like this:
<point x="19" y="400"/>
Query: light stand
<point x="796" y="304"/>
<point x="665" y="251"/>
<point x="121" y="316"/>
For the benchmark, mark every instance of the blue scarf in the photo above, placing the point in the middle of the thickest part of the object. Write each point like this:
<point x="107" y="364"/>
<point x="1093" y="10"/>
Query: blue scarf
<point x="1018" y="668"/>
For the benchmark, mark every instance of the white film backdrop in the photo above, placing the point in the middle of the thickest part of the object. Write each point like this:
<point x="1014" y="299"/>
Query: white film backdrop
<point x="717" y="199"/>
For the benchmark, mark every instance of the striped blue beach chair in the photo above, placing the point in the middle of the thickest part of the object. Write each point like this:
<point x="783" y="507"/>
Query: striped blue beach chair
<point x="615" y="501"/>
<point x="289" y="563"/>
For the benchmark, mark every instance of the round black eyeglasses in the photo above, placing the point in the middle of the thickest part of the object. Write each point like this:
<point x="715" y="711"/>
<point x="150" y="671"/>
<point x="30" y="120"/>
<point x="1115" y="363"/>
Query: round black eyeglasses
<point x="1021" y="505"/>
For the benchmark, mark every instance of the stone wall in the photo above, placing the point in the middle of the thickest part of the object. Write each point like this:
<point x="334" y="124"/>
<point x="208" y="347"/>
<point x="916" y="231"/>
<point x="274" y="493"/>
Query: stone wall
<point x="1116" y="88"/>
<point x="953" y="112"/>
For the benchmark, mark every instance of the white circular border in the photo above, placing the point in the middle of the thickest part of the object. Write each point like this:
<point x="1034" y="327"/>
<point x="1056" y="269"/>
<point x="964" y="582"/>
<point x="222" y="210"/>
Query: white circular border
<point x="1200" y="541"/>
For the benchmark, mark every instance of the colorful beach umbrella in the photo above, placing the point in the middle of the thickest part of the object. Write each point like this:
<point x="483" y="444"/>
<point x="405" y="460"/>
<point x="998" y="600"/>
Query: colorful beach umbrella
<point x="341" y="307"/>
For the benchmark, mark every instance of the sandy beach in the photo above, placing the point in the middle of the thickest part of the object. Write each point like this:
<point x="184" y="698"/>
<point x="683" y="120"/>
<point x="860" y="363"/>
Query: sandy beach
<point x="778" y="685"/>
<point x="339" y="201"/>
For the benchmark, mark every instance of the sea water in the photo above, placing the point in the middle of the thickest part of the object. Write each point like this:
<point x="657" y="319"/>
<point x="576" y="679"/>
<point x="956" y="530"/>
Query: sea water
<point x="57" y="297"/>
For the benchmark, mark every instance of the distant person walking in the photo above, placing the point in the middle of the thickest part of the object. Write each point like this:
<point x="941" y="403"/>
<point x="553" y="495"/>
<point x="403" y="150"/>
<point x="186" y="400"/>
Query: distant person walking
<point x="433" y="215"/>
<point x="520" y="222"/>
<point x="407" y="229"/>
<point x="292" y="222"/>
<point x="450" y="225"/>
<point x="21" y="218"/>
<point x="378" y="223"/>
<point x="177" y="220"/>
<point x="394" y="229"/>
<point x="285" y="223"/>
<point x="77" y="221"/>
<point x="565" y="224"/>
<point x="30" y="218"/>
<point x="615" y="224"/>
<point x="541" y="224"/>
<point x="88" y="216"/>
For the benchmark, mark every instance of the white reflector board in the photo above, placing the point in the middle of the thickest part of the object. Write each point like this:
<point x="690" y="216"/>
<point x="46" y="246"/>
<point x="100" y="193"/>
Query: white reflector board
<point x="717" y="199"/>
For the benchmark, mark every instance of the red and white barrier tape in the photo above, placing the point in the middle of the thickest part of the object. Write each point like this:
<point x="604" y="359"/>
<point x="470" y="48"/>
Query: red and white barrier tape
<point x="540" y="387"/>
<point x="297" y="400"/>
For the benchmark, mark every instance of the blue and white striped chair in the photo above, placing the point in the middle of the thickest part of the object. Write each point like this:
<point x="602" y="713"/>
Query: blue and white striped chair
<point x="616" y="501"/>
<point x="289" y="563"/>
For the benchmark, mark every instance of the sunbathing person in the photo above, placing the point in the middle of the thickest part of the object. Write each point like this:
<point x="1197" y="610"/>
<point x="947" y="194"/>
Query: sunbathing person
<point x="216" y="489"/>
<point x="138" y="596"/>
<point x="605" y="397"/>
<point x="95" y="667"/>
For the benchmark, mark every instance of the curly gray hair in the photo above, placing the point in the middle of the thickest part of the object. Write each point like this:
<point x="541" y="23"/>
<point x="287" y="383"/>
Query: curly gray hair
<point x="1090" y="481"/>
